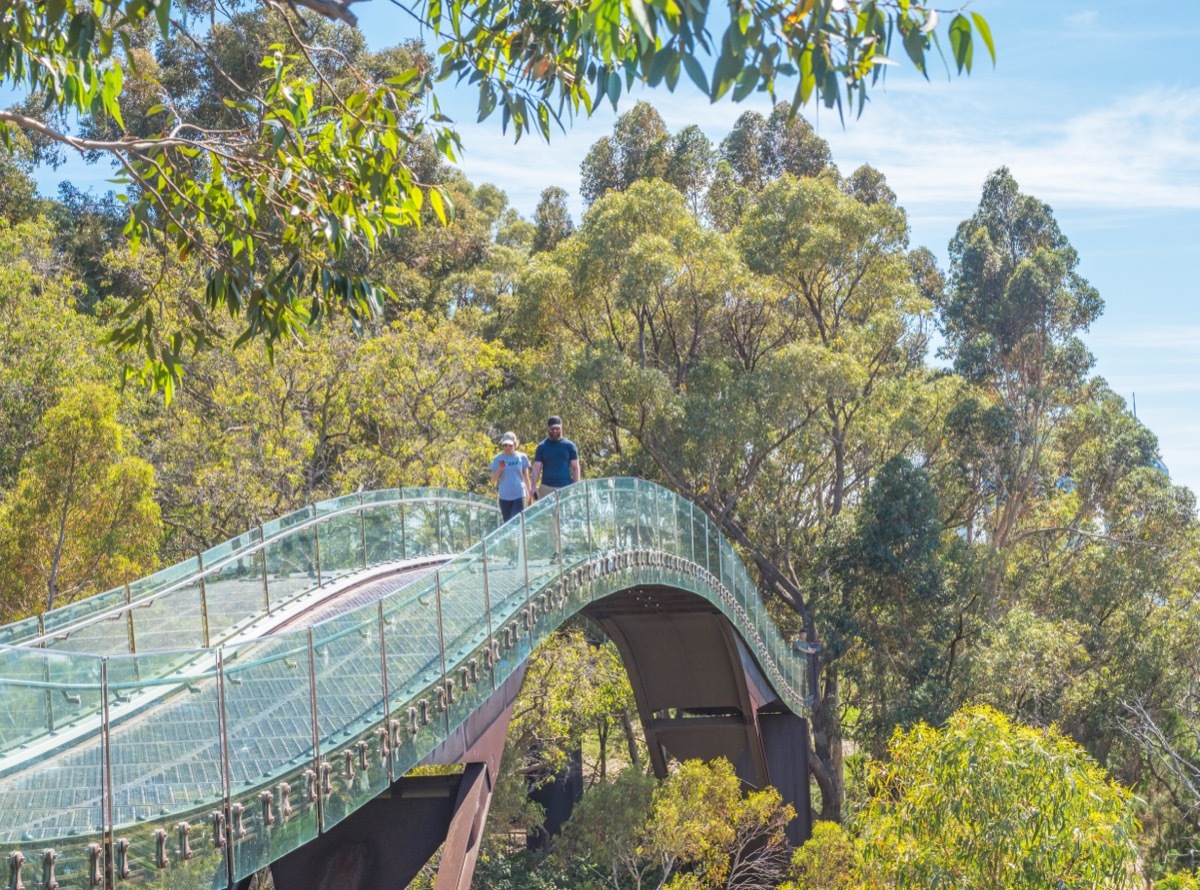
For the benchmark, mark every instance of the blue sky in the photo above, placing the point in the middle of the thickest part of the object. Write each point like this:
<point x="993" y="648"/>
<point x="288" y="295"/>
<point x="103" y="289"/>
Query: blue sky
<point x="1095" y="106"/>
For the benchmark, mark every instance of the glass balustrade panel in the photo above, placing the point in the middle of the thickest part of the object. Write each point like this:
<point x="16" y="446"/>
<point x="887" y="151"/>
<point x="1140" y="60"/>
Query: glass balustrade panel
<point x="103" y="634"/>
<point x="668" y="531"/>
<point x="234" y="594"/>
<point x="25" y="629"/>
<point x="173" y="620"/>
<point x="456" y="525"/>
<point x="291" y="563"/>
<point x="68" y="618"/>
<point x="624" y="500"/>
<point x="543" y="547"/>
<point x="165" y="762"/>
<point x="644" y="531"/>
<point x="412" y="642"/>
<point x="341" y="544"/>
<point x="422" y="526"/>
<point x="287" y="523"/>
<point x="269" y="726"/>
<point x="351" y="708"/>
<point x="384" y="533"/>
<point x="51" y="785"/>
<point x="602" y="519"/>
<point x="577" y="558"/>
<point x="506" y="593"/>
<point x="465" y="629"/>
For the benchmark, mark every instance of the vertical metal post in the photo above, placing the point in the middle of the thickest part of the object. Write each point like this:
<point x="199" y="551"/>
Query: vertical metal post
<point x="262" y="552"/>
<point x="316" y="730"/>
<point x="707" y="562"/>
<point x="317" y="544"/>
<point x="362" y="528"/>
<point x="558" y="532"/>
<point x="106" y="789"/>
<point x="403" y="532"/>
<point x="387" y="694"/>
<point x="720" y="565"/>
<point x="203" y="599"/>
<point x="223" y="728"/>
<point x="437" y="584"/>
<point x="46" y="674"/>
<point x="525" y="547"/>
<point x="587" y="510"/>
<point x="437" y="523"/>
<point x="129" y="620"/>
<point x="637" y="516"/>
<point x="487" y="600"/>
<point x="658" y="519"/>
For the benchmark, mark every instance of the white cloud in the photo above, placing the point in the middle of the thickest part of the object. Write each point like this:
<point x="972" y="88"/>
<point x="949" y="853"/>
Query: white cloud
<point x="1084" y="19"/>
<point x="936" y="146"/>
<point x="1141" y="152"/>
<point x="1155" y="338"/>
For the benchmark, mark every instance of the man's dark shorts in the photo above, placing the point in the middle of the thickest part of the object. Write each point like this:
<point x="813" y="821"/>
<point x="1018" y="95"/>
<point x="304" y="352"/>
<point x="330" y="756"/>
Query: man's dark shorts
<point x="509" y="509"/>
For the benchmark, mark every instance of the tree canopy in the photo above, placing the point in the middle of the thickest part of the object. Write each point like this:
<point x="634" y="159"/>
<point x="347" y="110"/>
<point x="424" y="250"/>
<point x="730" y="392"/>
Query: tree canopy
<point x="265" y="140"/>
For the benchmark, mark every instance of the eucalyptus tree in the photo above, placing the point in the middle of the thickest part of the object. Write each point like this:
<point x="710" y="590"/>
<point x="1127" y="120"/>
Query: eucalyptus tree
<point x="46" y="344"/>
<point x="760" y="149"/>
<point x="81" y="517"/>
<point x="552" y="219"/>
<point x="1012" y="317"/>
<point x="983" y="803"/>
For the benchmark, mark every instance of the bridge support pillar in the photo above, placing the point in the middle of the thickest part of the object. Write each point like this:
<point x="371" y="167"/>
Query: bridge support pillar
<point x="785" y="744"/>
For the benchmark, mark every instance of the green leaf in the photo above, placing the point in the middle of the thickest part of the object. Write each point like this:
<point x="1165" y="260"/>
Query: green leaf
<point x="746" y="82"/>
<point x="401" y="79"/>
<point x="695" y="71"/>
<point x="637" y="12"/>
<point x="985" y="33"/>
<point x="960" y="42"/>
<point x="727" y="69"/>
<point x="914" y="45"/>
<point x="162" y="12"/>
<point x="435" y="201"/>
<point x="614" y="88"/>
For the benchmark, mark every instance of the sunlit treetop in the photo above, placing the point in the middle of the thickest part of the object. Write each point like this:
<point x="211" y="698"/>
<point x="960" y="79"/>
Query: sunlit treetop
<point x="312" y="156"/>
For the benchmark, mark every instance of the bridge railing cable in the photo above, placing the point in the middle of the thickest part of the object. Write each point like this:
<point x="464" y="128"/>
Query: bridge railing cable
<point x="204" y="764"/>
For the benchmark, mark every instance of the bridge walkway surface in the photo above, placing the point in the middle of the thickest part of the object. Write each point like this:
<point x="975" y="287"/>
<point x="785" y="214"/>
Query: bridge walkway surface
<point x="263" y="702"/>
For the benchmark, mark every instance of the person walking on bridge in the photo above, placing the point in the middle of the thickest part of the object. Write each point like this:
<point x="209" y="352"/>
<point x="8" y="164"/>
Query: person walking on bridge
<point x="510" y="471"/>
<point x="556" y="460"/>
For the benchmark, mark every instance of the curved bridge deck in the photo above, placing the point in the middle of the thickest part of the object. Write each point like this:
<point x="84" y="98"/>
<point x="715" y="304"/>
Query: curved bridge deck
<point x="187" y="730"/>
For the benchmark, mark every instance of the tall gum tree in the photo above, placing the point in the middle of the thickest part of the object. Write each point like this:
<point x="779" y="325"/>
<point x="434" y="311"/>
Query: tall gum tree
<point x="1012" y="317"/>
<point x="81" y="518"/>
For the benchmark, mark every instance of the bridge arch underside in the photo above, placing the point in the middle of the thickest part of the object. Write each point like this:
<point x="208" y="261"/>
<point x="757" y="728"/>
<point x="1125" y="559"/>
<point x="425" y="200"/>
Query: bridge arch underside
<point x="700" y="695"/>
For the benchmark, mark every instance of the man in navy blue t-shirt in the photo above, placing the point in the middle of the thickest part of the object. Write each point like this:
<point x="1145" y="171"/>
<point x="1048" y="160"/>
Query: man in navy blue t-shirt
<point x="556" y="461"/>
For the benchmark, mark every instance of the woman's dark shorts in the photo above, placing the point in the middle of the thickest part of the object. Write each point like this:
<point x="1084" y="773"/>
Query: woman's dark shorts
<point x="509" y="509"/>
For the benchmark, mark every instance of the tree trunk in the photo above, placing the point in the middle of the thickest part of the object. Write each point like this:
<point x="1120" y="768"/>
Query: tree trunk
<point x="825" y="758"/>
<point x="630" y="738"/>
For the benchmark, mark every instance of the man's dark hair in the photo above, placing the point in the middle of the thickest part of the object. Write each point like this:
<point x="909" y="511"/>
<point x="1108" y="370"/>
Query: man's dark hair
<point x="554" y="420"/>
